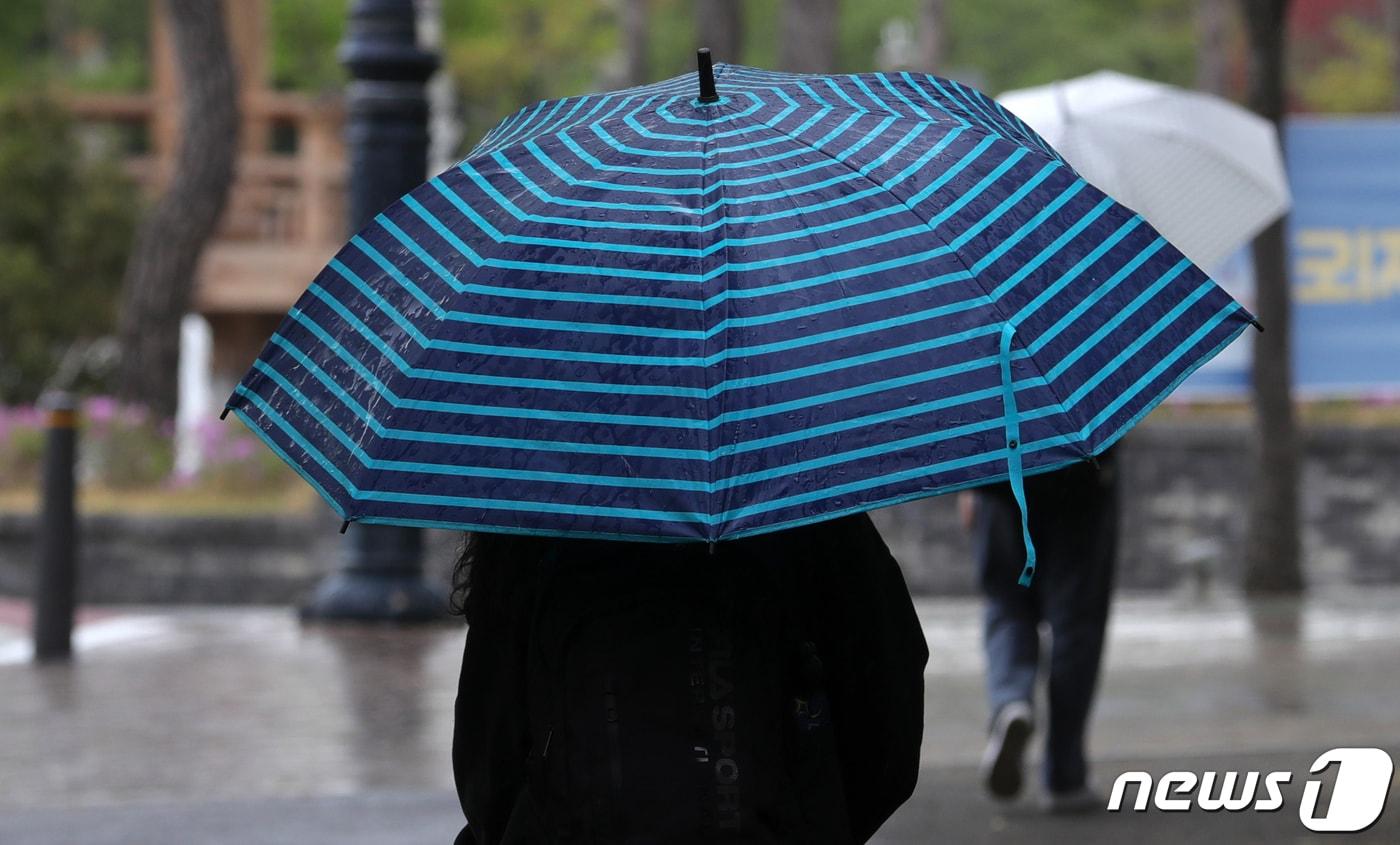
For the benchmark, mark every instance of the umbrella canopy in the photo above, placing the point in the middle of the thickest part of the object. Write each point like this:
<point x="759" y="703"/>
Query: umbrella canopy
<point x="1205" y="173"/>
<point x="645" y="315"/>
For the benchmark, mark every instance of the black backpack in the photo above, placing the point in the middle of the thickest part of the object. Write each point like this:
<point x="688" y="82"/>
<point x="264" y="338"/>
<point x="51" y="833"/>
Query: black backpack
<point x="678" y="701"/>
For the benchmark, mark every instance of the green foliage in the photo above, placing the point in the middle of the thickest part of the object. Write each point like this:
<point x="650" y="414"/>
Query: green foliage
<point x="103" y="45"/>
<point x="122" y="28"/>
<point x="23" y="42"/>
<point x="261" y="471"/>
<point x="21" y="450"/>
<point x="672" y="36"/>
<point x="507" y="55"/>
<point x="90" y="45"/>
<point x="131" y="453"/>
<point x="1358" y="80"/>
<point x="66" y="222"/>
<point x="122" y="448"/>
<point x="1005" y="44"/>
<point x="304" y="35"/>
<point x="997" y="44"/>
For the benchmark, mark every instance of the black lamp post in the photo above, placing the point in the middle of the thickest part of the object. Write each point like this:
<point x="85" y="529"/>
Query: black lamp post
<point x="381" y="575"/>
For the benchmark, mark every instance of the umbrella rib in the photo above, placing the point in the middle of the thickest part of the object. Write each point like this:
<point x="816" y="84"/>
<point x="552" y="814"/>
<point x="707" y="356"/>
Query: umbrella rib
<point x="723" y="336"/>
<point x="995" y="304"/>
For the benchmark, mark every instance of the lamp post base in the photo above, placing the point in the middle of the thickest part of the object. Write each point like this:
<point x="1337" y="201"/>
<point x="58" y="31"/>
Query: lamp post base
<point x="379" y="580"/>
<point x="362" y="597"/>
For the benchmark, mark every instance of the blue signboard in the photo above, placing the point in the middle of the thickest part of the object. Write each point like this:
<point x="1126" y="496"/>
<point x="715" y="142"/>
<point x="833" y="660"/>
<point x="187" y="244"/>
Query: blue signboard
<point x="1344" y="237"/>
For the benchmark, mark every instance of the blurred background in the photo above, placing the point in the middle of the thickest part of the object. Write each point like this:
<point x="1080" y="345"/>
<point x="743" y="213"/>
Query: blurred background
<point x="168" y="187"/>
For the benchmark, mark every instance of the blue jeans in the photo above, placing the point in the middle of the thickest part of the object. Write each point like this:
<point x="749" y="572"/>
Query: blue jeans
<point x="1074" y="525"/>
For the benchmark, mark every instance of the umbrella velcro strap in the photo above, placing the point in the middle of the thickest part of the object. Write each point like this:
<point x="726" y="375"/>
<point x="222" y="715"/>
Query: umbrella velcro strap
<point x="1013" y="450"/>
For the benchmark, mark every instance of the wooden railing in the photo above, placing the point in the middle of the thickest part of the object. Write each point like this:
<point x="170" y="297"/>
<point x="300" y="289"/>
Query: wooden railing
<point x="286" y="211"/>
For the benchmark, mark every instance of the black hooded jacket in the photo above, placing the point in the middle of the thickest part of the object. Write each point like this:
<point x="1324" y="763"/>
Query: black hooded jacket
<point x="851" y="596"/>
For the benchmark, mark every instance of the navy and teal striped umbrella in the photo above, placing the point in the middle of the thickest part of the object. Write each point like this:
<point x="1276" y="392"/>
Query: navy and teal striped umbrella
<point x="643" y="315"/>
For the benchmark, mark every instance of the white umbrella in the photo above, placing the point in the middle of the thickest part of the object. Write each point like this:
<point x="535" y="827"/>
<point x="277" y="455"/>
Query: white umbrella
<point x="1205" y="173"/>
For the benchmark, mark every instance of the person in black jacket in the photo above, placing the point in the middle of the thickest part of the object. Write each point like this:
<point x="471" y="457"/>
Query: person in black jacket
<point x="1073" y="514"/>
<point x="833" y="585"/>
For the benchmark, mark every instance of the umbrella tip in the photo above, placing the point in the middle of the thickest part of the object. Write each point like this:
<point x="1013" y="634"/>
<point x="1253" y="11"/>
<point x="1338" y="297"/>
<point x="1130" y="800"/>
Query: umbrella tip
<point x="706" y="67"/>
<point x="1256" y="324"/>
<point x="223" y="413"/>
<point x="344" y="525"/>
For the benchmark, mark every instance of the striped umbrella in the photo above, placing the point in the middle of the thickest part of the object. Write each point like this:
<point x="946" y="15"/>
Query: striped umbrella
<point x="652" y="315"/>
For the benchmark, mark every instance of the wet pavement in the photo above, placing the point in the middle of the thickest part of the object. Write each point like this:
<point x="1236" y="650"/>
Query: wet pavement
<point x="224" y="725"/>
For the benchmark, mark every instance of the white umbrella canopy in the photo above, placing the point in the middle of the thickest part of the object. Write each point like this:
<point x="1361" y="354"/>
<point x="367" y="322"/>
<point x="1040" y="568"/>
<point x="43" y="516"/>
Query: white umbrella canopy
<point x="1203" y="171"/>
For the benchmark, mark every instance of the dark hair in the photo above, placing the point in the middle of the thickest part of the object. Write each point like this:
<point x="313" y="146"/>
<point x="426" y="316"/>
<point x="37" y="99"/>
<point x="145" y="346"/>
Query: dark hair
<point x="492" y="565"/>
<point x="477" y="578"/>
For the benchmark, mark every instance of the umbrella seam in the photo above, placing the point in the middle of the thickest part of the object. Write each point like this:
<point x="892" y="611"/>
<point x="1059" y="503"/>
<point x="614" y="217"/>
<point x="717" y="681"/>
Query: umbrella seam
<point x="710" y="380"/>
<point x="995" y="304"/>
<point x="415" y="386"/>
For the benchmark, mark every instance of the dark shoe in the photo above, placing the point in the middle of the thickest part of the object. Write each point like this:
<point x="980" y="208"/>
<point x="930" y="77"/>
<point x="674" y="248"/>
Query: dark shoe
<point x="1002" y="763"/>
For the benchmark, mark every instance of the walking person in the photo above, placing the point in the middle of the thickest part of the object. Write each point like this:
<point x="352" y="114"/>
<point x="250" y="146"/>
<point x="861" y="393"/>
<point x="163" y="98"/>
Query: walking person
<point x="768" y="690"/>
<point x="1073" y="517"/>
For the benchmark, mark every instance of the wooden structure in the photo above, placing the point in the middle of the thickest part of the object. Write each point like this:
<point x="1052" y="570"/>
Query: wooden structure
<point x="286" y="210"/>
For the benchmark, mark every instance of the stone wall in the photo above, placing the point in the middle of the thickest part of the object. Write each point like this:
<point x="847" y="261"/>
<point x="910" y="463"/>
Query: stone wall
<point x="153" y="559"/>
<point x="1185" y="489"/>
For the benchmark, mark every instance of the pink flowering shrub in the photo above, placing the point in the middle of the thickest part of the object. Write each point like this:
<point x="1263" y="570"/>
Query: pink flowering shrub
<point x="235" y="461"/>
<point x="21" y="446"/>
<point x="122" y="447"/>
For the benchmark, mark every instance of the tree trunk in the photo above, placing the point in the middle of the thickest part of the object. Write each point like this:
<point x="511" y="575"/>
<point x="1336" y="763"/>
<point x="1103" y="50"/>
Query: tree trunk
<point x="721" y="27"/>
<point x="1391" y="8"/>
<point x="809" y="36"/>
<point x="636" y="30"/>
<point x="159" y="280"/>
<point x="1272" y="556"/>
<point x="933" y="35"/>
<point x="1212" y="29"/>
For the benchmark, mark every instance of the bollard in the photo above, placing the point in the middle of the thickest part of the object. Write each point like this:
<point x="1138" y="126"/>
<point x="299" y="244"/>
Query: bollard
<point x="57" y="544"/>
